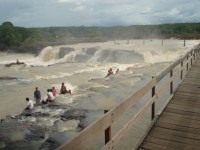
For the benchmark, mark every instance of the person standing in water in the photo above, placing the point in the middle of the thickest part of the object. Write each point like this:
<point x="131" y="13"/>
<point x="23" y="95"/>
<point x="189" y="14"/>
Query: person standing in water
<point x="37" y="95"/>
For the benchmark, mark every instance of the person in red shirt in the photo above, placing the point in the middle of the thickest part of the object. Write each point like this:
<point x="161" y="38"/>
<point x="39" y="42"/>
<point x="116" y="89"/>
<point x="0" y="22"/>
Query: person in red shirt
<point x="54" y="91"/>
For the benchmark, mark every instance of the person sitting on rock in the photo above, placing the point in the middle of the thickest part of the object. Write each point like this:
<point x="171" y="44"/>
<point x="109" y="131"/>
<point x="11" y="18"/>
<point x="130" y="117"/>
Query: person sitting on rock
<point x="63" y="89"/>
<point x="29" y="104"/>
<point x="54" y="91"/>
<point x="50" y="97"/>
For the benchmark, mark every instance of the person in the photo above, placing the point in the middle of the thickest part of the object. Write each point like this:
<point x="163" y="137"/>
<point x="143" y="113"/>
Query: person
<point x="54" y="91"/>
<point x="17" y="61"/>
<point x="63" y="89"/>
<point x="29" y="104"/>
<point x="50" y="97"/>
<point x="117" y="71"/>
<point x="110" y="72"/>
<point x="37" y="95"/>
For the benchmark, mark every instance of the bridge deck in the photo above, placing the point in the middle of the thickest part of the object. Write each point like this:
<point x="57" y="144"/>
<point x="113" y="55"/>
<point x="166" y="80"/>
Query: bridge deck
<point x="178" y="127"/>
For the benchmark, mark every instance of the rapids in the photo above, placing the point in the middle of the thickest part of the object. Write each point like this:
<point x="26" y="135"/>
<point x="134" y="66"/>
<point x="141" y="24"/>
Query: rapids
<point x="82" y="67"/>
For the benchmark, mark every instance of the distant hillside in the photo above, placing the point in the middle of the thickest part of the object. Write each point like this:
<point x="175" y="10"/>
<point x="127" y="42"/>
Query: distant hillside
<point x="33" y="39"/>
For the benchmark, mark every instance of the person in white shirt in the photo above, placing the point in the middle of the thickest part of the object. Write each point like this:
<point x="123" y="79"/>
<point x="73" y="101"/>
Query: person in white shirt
<point x="50" y="97"/>
<point x="29" y="104"/>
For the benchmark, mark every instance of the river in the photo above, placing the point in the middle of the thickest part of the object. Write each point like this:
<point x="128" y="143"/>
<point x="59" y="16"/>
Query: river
<point x="83" y="67"/>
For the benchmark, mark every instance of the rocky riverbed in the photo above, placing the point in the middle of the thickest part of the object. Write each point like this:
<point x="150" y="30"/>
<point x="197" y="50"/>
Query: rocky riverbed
<point x="44" y="127"/>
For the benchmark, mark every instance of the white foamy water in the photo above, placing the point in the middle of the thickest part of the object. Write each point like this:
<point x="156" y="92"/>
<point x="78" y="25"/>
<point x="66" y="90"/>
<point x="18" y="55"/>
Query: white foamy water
<point x="83" y="67"/>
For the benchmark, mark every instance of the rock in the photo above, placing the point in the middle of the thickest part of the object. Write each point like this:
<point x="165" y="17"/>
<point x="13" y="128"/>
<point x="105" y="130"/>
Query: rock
<point x="40" y="114"/>
<point x="37" y="128"/>
<point x="50" y="144"/>
<point x="26" y="113"/>
<point x="56" y="105"/>
<point x="81" y="126"/>
<point x="35" y="134"/>
<point x="19" y="145"/>
<point x="7" y="78"/>
<point x="13" y="116"/>
<point x="73" y="114"/>
<point x="11" y="130"/>
<point x="16" y="63"/>
<point x="2" y="145"/>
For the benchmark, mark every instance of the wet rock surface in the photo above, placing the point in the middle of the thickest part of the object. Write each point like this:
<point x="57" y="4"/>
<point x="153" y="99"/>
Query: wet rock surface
<point x="73" y="114"/>
<point x="15" y="63"/>
<point x="7" y="78"/>
<point x="44" y="127"/>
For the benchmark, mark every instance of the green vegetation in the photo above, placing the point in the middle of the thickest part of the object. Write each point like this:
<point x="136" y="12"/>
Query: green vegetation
<point x="33" y="39"/>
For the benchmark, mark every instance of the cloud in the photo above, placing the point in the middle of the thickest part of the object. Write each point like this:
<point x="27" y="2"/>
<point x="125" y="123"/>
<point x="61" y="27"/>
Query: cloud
<point x="174" y="12"/>
<point x="37" y="13"/>
<point x="79" y="8"/>
<point x="146" y="11"/>
<point x="67" y="1"/>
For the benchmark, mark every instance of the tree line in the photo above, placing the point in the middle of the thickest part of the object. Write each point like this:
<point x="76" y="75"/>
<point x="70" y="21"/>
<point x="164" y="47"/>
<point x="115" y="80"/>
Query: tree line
<point x="33" y="39"/>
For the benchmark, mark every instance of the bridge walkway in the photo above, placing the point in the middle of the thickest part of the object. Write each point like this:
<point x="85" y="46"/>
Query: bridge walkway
<point x="178" y="127"/>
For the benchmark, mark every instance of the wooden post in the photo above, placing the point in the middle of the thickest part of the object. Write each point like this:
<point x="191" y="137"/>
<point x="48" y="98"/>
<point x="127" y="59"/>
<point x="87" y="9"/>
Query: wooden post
<point x="107" y="132"/>
<point x="171" y="83"/>
<point x="181" y="74"/>
<point x="181" y="70"/>
<point x="194" y="54"/>
<point x="171" y="73"/>
<point x="171" y="88"/>
<point x="184" y="43"/>
<point x="187" y="63"/>
<point x="153" y="105"/>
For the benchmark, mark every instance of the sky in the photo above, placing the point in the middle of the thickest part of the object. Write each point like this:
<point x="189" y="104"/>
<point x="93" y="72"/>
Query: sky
<point x="49" y="13"/>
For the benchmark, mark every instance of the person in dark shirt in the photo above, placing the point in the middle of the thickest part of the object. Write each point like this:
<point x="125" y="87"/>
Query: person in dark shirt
<point x="37" y="95"/>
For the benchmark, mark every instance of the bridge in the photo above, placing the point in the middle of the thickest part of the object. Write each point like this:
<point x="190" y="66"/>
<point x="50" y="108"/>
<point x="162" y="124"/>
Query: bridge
<point x="174" y="123"/>
<point x="178" y="126"/>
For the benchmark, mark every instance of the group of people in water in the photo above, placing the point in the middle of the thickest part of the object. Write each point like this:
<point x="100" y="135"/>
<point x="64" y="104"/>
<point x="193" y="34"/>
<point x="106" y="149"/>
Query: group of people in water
<point x="110" y="72"/>
<point x="51" y="95"/>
